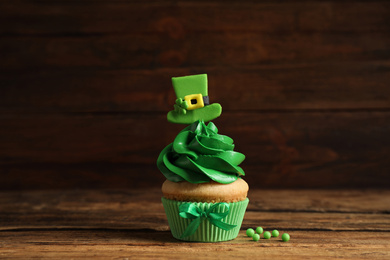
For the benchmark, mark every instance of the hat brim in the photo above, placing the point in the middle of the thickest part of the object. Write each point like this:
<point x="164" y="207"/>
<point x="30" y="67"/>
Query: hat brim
<point x="206" y="113"/>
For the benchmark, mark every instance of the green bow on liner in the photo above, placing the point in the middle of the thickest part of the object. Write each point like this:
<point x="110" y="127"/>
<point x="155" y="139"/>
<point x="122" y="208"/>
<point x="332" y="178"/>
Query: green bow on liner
<point x="191" y="211"/>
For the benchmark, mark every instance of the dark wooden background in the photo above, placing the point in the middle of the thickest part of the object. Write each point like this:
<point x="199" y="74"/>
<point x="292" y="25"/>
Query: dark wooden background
<point x="85" y="87"/>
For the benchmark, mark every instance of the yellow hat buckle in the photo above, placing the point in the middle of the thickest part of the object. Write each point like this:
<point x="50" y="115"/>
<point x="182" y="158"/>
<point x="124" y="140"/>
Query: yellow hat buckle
<point x="194" y="101"/>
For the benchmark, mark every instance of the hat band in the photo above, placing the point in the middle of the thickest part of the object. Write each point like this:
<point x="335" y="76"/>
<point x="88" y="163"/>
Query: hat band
<point x="206" y="100"/>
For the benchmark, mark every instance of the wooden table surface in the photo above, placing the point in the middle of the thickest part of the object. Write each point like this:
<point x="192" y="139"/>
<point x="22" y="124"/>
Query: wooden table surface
<point x="131" y="224"/>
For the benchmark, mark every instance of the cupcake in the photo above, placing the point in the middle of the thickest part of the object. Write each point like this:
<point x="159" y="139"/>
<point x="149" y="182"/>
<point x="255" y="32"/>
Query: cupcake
<point x="204" y="196"/>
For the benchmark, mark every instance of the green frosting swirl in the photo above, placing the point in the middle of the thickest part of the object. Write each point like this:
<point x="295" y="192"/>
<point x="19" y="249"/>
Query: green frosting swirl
<point x="199" y="154"/>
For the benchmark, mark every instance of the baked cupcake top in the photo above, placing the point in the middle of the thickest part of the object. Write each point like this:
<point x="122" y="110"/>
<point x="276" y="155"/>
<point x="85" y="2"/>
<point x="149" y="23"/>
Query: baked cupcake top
<point x="206" y="192"/>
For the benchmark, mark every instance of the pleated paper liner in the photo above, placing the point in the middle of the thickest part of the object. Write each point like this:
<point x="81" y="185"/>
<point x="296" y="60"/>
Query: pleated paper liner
<point x="206" y="231"/>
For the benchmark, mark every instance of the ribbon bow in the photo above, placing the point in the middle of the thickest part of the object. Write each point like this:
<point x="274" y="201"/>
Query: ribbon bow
<point x="191" y="211"/>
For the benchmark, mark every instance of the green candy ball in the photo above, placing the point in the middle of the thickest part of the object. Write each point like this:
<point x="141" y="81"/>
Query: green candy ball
<point x="285" y="237"/>
<point x="256" y="237"/>
<point x="250" y="232"/>
<point x="275" y="233"/>
<point x="259" y="230"/>
<point x="267" y="235"/>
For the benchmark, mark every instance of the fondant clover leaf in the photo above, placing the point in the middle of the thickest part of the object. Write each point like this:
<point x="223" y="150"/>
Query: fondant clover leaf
<point x="179" y="110"/>
<point x="181" y="106"/>
<point x="181" y="103"/>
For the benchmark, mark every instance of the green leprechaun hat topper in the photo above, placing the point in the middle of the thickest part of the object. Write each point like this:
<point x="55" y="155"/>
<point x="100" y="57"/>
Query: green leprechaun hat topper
<point x="192" y="103"/>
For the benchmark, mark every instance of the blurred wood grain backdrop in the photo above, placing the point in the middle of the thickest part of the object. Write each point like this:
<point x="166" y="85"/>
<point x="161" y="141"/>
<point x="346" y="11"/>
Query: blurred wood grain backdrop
<point x="85" y="87"/>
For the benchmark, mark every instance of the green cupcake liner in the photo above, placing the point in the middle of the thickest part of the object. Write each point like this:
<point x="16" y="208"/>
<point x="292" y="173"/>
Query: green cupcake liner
<point x="206" y="232"/>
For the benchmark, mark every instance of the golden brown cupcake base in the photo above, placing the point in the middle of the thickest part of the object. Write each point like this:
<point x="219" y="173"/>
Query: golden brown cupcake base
<point x="206" y="192"/>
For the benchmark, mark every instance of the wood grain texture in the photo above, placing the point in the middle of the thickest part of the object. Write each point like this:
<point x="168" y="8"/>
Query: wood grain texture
<point x="283" y="150"/>
<point x="135" y="210"/>
<point x="195" y="50"/>
<point x="85" y="84"/>
<point x="120" y="224"/>
<point x="153" y="245"/>
<point x="346" y="85"/>
<point x="209" y="16"/>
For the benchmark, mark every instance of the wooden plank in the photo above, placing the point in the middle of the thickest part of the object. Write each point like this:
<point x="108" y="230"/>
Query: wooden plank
<point x="310" y="210"/>
<point x="317" y="149"/>
<point x="317" y="201"/>
<point x="196" y="49"/>
<point x="136" y="220"/>
<point x="160" y="245"/>
<point x="121" y="224"/>
<point x="368" y="201"/>
<point x="176" y="19"/>
<point x="349" y="85"/>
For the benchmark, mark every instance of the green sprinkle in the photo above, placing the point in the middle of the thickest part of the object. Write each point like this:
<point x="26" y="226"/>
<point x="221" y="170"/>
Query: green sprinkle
<point x="275" y="233"/>
<point x="250" y="232"/>
<point x="285" y="237"/>
<point x="259" y="230"/>
<point x="267" y="235"/>
<point x="256" y="237"/>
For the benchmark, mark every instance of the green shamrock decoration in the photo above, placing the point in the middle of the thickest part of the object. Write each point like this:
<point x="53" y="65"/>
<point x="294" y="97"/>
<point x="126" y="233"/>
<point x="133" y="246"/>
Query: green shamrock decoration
<point x="181" y="106"/>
